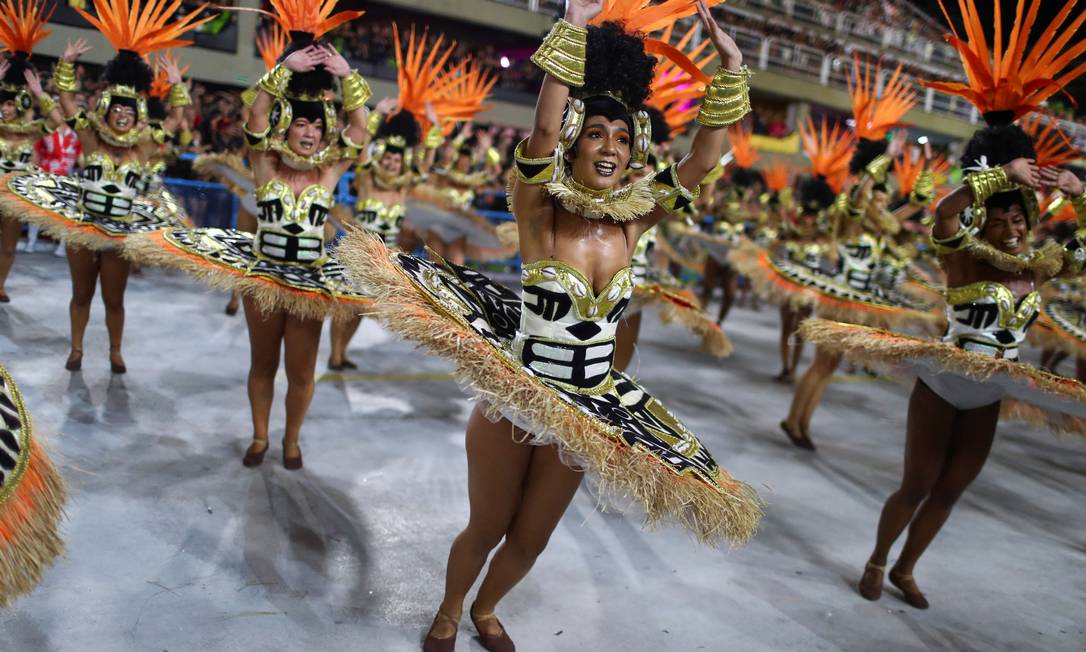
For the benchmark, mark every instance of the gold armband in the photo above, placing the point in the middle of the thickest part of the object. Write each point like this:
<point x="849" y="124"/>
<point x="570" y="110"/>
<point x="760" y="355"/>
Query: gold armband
<point x="373" y="123"/>
<point x="984" y="184"/>
<point x="878" y="167"/>
<point x="179" y="96"/>
<point x="493" y="157"/>
<point x="669" y="192"/>
<point x="727" y="99"/>
<point x="257" y="141"/>
<point x="64" y="76"/>
<point x="356" y="91"/>
<point x="562" y="53"/>
<point x="924" y="189"/>
<point x="248" y="96"/>
<point x="274" y="82"/>
<point x="434" y="138"/>
<point x="533" y="171"/>
<point x="46" y="104"/>
<point x="1079" y="204"/>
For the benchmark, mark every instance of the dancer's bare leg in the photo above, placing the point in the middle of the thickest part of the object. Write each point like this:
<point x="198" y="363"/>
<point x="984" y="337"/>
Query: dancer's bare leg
<point x="10" y="229"/>
<point x="83" y="265"/>
<point x="114" y="272"/>
<point x="265" y="345"/>
<point x="301" y="339"/>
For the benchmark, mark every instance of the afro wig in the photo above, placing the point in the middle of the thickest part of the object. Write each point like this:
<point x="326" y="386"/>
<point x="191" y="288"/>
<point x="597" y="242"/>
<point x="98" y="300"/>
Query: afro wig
<point x="997" y="144"/>
<point x="18" y="64"/>
<point x="866" y="151"/>
<point x="747" y="177"/>
<point x="129" y="69"/>
<point x="815" y="194"/>
<point x="402" y="124"/>
<point x="616" y="63"/>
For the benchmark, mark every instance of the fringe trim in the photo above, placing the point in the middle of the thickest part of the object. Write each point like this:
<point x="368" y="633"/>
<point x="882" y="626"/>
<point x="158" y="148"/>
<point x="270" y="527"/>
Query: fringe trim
<point x="1047" y="260"/>
<point x="153" y="249"/>
<point x="208" y="164"/>
<point x="888" y="351"/>
<point x="770" y="285"/>
<point x="76" y="234"/>
<point x="664" y="247"/>
<point x="508" y="235"/>
<point x="625" y="205"/>
<point x="1048" y="335"/>
<point x="677" y="308"/>
<point x="431" y="195"/>
<point x="729" y="515"/>
<point x="1058" y="422"/>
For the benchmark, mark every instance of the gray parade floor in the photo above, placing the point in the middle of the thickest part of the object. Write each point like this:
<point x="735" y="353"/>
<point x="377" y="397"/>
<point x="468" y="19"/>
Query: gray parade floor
<point x="173" y="545"/>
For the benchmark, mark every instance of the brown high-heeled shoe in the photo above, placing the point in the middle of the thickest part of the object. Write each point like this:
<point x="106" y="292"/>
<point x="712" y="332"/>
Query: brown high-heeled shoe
<point x="255" y="457"/>
<point x="75" y="360"/>
<point x="871" y="583"/>
<point x="492" y="643"/>
<point x="294" y="462"/>
<point x="909" y="589"/>
<point x="434" y="644"/>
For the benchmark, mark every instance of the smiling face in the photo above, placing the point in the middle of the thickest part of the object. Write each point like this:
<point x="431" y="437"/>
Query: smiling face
<point x="602" y="152"/>
<point x="121" y="117"/>
<point x="1006" y="229"/>
<point x="391" y="164"/>
<point x="8" y="111"/>
<point x="304" y="136"/>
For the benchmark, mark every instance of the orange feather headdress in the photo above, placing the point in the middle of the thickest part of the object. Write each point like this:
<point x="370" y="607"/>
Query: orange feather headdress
<point x="1019" y="77"/>
<point x="142" y="27"/>
<point x="22" y="24"/>
<point x="1052" y="146"/>
<point x="310" y="16"/>
<point x="674" y="88"/>
<point x="743" y="152"/>
<point x="271" y="43"/>
<point x="829" y="150"/>
<point x="456" y="93"/>
<point x="778" y="176"/>
<point x="875" y="116"/>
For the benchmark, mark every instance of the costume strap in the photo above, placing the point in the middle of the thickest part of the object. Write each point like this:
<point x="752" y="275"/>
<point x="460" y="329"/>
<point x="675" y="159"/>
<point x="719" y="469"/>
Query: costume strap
<point x="670" y="193"/>
<point x="562" y="53"/>
<point x="727" y="98"/>
<point x="356" y="91"/>
<point x="64" y="77"/>
<point x="534" y="171"/>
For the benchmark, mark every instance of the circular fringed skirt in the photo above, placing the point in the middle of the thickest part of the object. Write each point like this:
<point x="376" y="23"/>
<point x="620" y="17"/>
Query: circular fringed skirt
<point x="714" y="246"/>
<point x="229" y="169"/>
<point x="224" y="259"/>
<point x="52" y="202"/>
<point x="1062" y="326"/>
<point x="428" y="211"/>
<point x="786" y="282"/>
<point x="629" y="442"/>
<point x="32" y="497"/>
<point x="1063" y="400"/>
<point x="680" y="306"/>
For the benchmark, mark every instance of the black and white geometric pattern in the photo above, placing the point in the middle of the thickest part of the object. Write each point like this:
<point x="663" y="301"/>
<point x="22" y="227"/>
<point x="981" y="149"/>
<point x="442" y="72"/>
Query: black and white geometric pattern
<point x="14" y="434"/>
<point x="801" y="274"/>
<point x="493" y="311"/>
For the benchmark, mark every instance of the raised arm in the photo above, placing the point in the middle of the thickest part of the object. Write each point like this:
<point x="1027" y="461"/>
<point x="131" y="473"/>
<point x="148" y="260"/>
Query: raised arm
<point x="979" y="186"/>
<point x="179" y="96"/>
<point x="64" y="76"/>
<point x="268" y="88"/>
<point x="432" y="141"/>
<point x="356" y="92"/>
<point x="49" y="109"/>
<point x="1074" y="190"/>
<point x="726" y="102"/>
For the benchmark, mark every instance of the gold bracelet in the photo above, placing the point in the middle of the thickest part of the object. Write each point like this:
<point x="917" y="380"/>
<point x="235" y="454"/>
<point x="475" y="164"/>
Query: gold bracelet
<point x="64" y="76"/>
<point x="46" y="104"/>
<point x="923" y="189"/>
<point x="356" y="91"/>
<point x="562" y="53"/>
<point x="179" y="96"/>
<point x="274" y="82"/>
<point x="984" y="184"/>
<point x="493" y="157"/>
<point x="434" y="138"/>
<point x="1079" y="204"/>
<point x="877" y="168"/>
<point x="727" y="99"/>
<point x="373" y="123"/>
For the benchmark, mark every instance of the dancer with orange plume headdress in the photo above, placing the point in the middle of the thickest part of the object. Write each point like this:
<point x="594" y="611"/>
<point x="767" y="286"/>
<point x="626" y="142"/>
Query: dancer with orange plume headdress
<point x="859" y="286"/>
<point x="97" y="213"/>
<point x="22" y="26"/>
<point x="541" y="363"/>
<point x="289" y="280"/>
<point x="32" y="498"/>
<point x="981" y="234"/>
<point x="437" y="93"/>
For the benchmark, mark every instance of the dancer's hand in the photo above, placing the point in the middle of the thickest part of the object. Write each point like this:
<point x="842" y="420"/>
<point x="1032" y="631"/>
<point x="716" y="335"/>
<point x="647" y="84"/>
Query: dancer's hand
<point x="431" y="116"/>
<point x="730" y="56"/>
<point x="33" y="82"/>
<point x="387" y="106"/>
<point x="73" y="51"/>
<point x="304" y="60"/>
<point x="579" y="12"/>
<point x="173" y="70"/>
<point x="897" y="144"/>
<point x="335" y="63"/>
<point x="1063" y="180"/>
<point x="929" y="155"/>
<point x="1023" y="171"/>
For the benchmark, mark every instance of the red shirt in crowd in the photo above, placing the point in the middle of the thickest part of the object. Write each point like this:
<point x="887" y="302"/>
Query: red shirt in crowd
<point x="59" y="151"/>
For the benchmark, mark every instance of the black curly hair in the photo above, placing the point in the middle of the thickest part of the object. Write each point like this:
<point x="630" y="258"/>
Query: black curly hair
<point x="999" y="144"/>
<point x="401" y="124"/>
<point x="865" y="152"/>
<point x="661" y="130"/>
<point x="815" y="194"/>
<point x="129" y="69"/>
<point x="616" y="63"/>
<point x="18" y="62"/>
<point x="156" y="109"/>
<point x="747" y="177"/>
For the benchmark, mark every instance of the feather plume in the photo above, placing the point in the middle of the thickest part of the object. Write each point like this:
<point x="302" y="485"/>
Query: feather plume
<point x="675" y="89"/>
<point x="875" y="116"/>
<point x="1052" y="146"/>
<point x="271" y="43"/>
<point x="141" y="26"/>
<point x="22" y="24"/>
<point x="829" y="150"/>
<point x="742" y="151"/>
